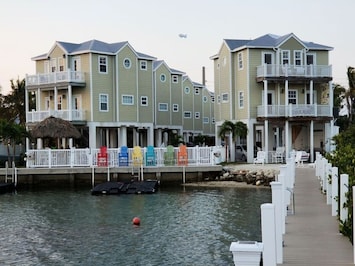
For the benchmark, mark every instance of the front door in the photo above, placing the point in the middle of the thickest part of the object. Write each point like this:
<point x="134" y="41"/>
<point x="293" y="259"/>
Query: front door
<point x="77" y="109"/>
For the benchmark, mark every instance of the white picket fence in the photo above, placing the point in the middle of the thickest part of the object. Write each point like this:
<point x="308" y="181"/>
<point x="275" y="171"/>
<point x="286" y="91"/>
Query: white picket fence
<point x="52" y="158"/>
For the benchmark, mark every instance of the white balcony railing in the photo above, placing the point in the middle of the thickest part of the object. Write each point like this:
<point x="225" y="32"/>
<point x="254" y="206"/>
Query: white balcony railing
<point x="37" y="116"/>
<point x="294" y="110"/>
<point x="55" y="77"/>
<point x="53" y="158"/>
<point x="270" y="70"/>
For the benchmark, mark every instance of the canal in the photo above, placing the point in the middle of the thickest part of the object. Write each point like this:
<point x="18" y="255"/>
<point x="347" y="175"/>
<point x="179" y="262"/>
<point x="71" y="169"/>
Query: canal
<point x="179" y="226"/>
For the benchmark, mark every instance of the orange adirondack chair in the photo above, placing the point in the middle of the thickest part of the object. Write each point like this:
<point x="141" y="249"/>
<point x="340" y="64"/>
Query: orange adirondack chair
<point x="182" y="155"/>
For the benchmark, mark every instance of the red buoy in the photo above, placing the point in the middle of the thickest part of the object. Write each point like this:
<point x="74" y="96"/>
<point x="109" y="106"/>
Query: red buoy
<point x="136" y="221"/>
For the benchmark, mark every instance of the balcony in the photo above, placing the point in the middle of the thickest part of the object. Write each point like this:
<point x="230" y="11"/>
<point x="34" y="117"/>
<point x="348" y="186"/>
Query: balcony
<point x="295" y="110"/>
<point x="269" y="71"/>
<point x="73" y="115"/>
<point x="76" y="77"/>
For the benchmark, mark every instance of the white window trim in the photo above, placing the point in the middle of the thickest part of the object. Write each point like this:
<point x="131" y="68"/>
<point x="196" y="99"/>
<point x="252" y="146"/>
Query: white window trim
<point x="175" y="78"/>
<point x="146" y="99"/>
<point x="143" y="65"/>
<point x="100" y="102"/>
<point x="163" y="104"/>
<point x="130" y="63"/>
<point x="263" y="57"/>
<point x="197" y="91"/>
<point x="241" y="100"/>
<point x="99" y="64"/>
<point x="288" y="57"/>
<point x="161" y="77"/>
<point x="225" y="100"/>
<point x="187" y="90"/>
<point x="197" y="115"/>
<point x="175" y="107"/>
<point x="189" y="115"/>
<point x="300" y="58"/>
<point x="240" y="61"/>
<point x="296" y="96"/>
<point x="127" y="95"/>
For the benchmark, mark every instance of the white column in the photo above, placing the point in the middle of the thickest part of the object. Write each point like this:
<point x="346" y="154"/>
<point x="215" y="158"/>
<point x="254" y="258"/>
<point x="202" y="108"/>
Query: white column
<point x="276" y="188"/>
<point x="150" y="133"/>
<point x="266" y="139"/>
<point x="268" y="234"/>
<point x="329" y="185"/>
<point x="158" y="137"/>
<point x="288" y="142"/>
<point x="311" y="140"/>
<point x="70" y="105"/>
<point x="92" y="136"/>
<point x="123" y="133"/>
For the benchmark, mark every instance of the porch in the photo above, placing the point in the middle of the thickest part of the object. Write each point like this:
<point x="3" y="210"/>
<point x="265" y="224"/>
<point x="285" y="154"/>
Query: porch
<point x="295" y="110"/>
<point x="69" y="115"/>
<point x="299" y="71"/>
<point x="76" y="77"/>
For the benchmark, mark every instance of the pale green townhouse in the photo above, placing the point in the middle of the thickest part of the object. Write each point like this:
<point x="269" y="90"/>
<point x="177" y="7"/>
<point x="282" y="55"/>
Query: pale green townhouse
<point x="281" y="87"/>
<point x="114" y="95"/>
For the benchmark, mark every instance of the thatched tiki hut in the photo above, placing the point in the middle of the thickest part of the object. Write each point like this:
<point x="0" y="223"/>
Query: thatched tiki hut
<point x="53" y="130"/>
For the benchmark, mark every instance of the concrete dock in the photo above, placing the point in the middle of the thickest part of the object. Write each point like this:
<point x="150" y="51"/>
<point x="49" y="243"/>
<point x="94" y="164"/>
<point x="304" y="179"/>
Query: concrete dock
<point x="312" y="235"/>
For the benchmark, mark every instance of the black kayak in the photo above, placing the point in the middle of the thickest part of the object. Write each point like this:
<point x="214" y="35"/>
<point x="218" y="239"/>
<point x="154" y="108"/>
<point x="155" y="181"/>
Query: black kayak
<point x="134" y="187"/>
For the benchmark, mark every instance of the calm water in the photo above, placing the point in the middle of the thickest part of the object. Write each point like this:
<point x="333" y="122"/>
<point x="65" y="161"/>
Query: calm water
<point x="178" y="226"/>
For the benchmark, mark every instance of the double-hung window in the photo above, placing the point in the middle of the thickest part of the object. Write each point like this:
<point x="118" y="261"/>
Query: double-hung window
<point x="241" y="99"/>
<point x="102" y="64"/>
<point x="298" y="57"/>
<point x="103" y="102"/>
<point x="292" y="96"/>
<point x="285" y="57"/>
<point x="240" y="61"/>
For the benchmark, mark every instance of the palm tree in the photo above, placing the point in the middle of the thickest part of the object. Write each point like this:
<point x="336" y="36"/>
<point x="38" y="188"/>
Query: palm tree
<point x="13" y="105"/>
<point x="350" y="94"/>
<point x="233" y="130"/>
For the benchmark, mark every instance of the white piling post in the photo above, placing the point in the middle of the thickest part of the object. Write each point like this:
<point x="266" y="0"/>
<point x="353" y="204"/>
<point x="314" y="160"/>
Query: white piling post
<point x="281" y="179"/>
<point x="335" y="194"/>
<point x="344" y="188"/>
<point x="324" y="175"/>
<point x="329" y="181"/>
<point x="276" y="188"/>
<point x="92" y="176"/>
<point x="268" y="234"/>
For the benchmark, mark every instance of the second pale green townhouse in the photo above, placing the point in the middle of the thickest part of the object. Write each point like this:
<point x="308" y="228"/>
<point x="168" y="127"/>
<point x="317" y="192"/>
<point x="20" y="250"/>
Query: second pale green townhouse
<point x="281" y="87"/>
<point x="116" y="96"/>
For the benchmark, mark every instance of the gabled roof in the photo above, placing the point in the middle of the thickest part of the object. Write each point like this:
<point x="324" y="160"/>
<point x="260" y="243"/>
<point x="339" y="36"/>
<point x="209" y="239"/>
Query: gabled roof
<point x="269" y="41"/>
<point x="92" y="46"/>
<point x="158" y="63"/>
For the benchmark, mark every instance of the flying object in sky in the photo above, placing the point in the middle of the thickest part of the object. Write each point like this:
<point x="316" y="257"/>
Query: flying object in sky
<point x="181" y="35"/>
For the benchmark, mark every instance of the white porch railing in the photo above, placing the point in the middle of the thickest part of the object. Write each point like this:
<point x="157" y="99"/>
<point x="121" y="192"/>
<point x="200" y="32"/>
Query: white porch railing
<point x="55" y="77"/>
<point x="37" y="116"/>
<point x="52" y="158"/>
<point x="270" y="70"/>
<point x="293" y="110"/>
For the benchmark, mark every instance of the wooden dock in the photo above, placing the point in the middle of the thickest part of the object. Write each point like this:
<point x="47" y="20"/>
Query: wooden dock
<point x="312" y="235"/>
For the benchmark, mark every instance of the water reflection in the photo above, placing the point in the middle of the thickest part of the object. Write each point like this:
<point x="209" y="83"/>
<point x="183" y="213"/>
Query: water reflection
<point x="191" y="226"/>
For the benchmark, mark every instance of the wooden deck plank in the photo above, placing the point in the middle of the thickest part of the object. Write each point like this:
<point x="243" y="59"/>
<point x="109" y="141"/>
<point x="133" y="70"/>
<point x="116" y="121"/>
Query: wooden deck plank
<point x="312" y="234"/>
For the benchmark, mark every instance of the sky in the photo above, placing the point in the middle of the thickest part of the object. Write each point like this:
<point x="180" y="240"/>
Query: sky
<point x="31" y="27"/>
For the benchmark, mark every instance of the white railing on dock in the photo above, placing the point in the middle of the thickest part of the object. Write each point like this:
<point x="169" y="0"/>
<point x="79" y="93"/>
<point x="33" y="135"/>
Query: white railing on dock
<point x="52" y="158"/>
